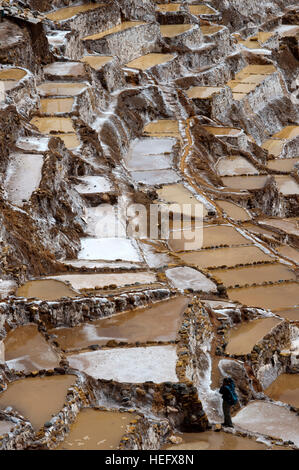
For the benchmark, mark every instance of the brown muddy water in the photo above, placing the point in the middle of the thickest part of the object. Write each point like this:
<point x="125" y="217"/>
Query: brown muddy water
<point x="278" y="296"/>
<point x="68" y="12"/>
<point x="274" y="147"/>
<point x="288" y="132"/>
<point x="149" y="60"/>
<point x="160" y="322"/>
<point x="222" y="131"/>
<point x="285" y="388"/>
<point x="225" y="256"/>
<point x="290" y="314"/>
<point x="171" y="7"/>
<point x="201" y="10"/>
<point x="26" y="349"/>
<point x="213" y="235"/>
<point x="254" y="274"/>
<point x="96" y="430"/>
<point x="96" y="62"/>
<point x="56" y="105"/>
<point x="116" y="29"/>
<point x="12" y="74"/>
<point x="245" y="182"/>
<point x="210" y="440"/>
<point x="172" y="30"/>
<point x="37" y="399"/>
<point x="234" y="211"/>
<point x="71" y="141"/>
<point x="179" y="194"/>
<point x="283" y="164"/>
<point x="288" y="252"/>
<point x="203" y="92"/>
<point x="162" y="128"/>
<point x="56" y="124"/>
<point x="242" y="338"/>
<point x="286" y="184"/>
<point x="46" y="289"/>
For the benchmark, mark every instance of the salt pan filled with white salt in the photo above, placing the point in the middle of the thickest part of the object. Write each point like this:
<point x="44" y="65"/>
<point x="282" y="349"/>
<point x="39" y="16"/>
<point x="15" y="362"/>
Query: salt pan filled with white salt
<point x="133" y="365"/>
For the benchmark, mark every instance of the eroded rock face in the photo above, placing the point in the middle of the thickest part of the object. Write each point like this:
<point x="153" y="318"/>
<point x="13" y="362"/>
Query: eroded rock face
<point x="154" y="107"/>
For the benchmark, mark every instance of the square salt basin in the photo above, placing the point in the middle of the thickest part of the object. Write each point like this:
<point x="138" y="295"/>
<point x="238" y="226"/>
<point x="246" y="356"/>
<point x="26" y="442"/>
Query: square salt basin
<point x="93" y="185"/>
<point x="130" y="365"/>
<point x="231" y="256"/>
<point x="212" y="235"/>
<point x="162" y="128"/>
<point x="184" y="277"/>
<point x="230" y="166"/>
<point x="150" y="60"/>
<point x="104" y="221"/>
<point x="245" y="182"/>
<point x="286" y="185"/>
<point x="23" y="176"/>
<point x="277" y="296"/>
<point x="234" y="211"/>
<point x="150" y="178"/>
<point x="109" y="249"/>
<point x="156" y="322"/>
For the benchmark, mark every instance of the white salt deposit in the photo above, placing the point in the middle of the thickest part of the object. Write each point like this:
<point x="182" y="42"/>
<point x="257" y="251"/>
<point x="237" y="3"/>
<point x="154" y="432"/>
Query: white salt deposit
<point x="155" y="177"/>
<point x="108" y="249"/>
<point x="93" y="185"/>
<point x="185" y="277"/>
<point x="133" y="365"/>
<point x="92" y="281"/>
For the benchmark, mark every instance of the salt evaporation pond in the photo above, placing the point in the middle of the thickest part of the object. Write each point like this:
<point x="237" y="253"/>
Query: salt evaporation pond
<point x="45" y="289"/>
<point x="159" y="322"/>
<point x="254" y="274"/>
<point x="133" y="365"/>
<point x="37" y="399"/>
<point x="242" y="338"/>
<point x="277" y="296"/>
<point x="96" y="430"/>
<point x="26" y="349"/>
<point x="285" y="388"/>
<point x="210" y="440"/>
<point x="269" y="419"/>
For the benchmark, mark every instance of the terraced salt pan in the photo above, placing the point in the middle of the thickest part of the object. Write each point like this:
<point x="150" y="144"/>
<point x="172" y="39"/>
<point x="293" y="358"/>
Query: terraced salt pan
<point x="56" y="105"/>
<point x="254" y="274"/>
<point x="69" y="12"/>
<point x="132" y="365"/>
<point x="209" y="30"/>
<point x="203" y="92"/>
<point x="7" y="288"/>
<point x="159" y="322"/>
<point x="93" y="185"/>
<point x="286" y="185"/>
<point x="71" y="141"/>
<point x="288" y="132"/>
<point x="65" y="69"/>
<point x="234" y="211"/>
<point x="104" y="221"/>
<point x="210" y="440"/>
<point x="223" y="131"/>
<point x="37" y="399"/>
<point x="168" y="7"/>
<point x="244" y="337"/>
<point x="23" y="177"/>
<point x="61" y="89"/>
<point x="12" y="73"/>
<point x="278" y="296"/>
<point x="96" y="62"/>
<point x="291" y="314"/>
<point x="290" y="226"/>
<point x="274" y="147"/>
<point x="153" y="177"/>
<point x="269" y="419"/>
<point x="254" y="69"/>
<point x="162" y="128"/>
<point x="27" y="350"/>
<point x="116" y="29"/>
<point x="285" y="388"/>
<point x="33" y="144"/>
<point x="150" y="60"/>
<point x="46" y="125"/>
<point x="288" y="252"/>
<point x="213" y="235"/>
<point x="108" y="249"/>
<point x="45" y="289"/>
<point x="283" y="164"/>
<point x="201" y="10"/>
<point x="172" y="30"/>
<point x="225" y="256"/>
<point x="98" y="281"/>
<point x="96" y="430"/>
<point x="245" y="182"/>
<point x="184" y="277"/>
<point x="150" y="154"/>
<point x="226" y="166"/>
<point x="179" y="194"/>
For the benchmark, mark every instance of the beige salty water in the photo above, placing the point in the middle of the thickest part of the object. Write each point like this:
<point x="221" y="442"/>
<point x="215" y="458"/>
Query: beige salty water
<point x="46" y="289"/>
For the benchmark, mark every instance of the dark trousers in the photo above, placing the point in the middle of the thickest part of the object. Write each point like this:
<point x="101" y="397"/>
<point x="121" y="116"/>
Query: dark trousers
<point x="226" y="411"/>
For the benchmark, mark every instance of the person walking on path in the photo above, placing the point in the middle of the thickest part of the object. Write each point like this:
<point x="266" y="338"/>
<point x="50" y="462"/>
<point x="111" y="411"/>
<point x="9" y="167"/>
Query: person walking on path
<point x="230" y="398"/>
